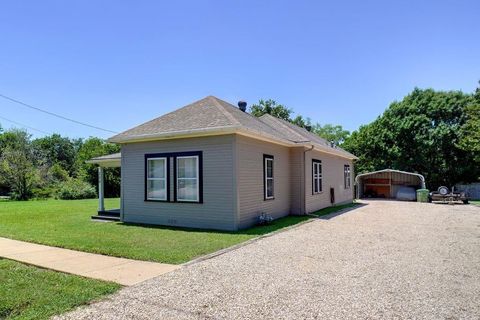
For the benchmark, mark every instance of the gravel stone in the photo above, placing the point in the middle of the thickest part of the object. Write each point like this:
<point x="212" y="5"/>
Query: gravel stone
<point x="384" y="260"/>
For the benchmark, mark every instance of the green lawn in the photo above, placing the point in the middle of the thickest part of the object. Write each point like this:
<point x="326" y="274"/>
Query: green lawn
<point x="332" y="209"/>
<point x="67" y="224"/>
<point x="28" y="292"/>
<point x="476" y="202"/>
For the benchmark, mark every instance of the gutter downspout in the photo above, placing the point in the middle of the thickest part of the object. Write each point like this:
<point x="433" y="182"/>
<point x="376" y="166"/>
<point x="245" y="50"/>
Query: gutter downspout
<point x="305" y="179"/>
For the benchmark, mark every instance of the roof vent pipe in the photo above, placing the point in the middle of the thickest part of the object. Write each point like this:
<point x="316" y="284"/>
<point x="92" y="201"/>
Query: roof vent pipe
<point x="242" y="105"/>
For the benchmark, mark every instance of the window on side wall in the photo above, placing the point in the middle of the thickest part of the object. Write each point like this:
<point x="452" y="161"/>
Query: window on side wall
<point x="157" y="179"/>
<point x="347" y="176"/>
<point x="316" y="176"/>
<point x="268" y="177"/>
<point x="188" y="178"/>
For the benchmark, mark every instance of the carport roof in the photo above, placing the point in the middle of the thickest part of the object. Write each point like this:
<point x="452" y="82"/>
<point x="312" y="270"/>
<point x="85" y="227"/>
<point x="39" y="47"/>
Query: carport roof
<point x="422" y="178"/>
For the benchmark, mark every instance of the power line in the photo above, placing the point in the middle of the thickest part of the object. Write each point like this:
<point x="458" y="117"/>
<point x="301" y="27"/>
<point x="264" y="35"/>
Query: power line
<point x="25" y="126"/>
<point x="55" y="115"/>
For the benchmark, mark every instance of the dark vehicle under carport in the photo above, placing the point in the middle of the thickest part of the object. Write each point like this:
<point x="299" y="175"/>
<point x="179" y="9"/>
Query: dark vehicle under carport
<point x="389" y="184"/>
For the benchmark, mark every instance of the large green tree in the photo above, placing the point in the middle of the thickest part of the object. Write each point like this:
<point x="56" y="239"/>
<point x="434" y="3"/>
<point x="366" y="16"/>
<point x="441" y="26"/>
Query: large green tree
<point x="332" y="133"/>
<point x="56" y="150"/>
<point x="94" y="147"/>
<point x="17" y="171"/>
<point x="271" y="107"/>
<point x="421" y="133"/>
<point x="470" y="140"/>
<point x="14" y="138"/>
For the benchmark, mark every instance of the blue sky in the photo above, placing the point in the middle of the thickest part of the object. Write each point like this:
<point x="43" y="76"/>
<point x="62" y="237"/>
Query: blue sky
<point x="116" y="64"/>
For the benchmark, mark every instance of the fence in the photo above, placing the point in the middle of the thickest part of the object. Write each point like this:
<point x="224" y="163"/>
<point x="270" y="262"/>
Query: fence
<point x="472" y="190"/>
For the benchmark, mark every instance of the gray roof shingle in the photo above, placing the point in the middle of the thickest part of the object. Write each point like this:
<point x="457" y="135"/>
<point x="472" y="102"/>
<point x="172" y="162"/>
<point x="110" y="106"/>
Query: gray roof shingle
<point x="211" y="113"/>
<point x="303" y="135"/>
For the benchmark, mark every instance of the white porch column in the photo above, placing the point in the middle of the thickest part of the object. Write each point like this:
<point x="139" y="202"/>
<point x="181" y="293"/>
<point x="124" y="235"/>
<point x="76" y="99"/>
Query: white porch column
<point x="101" y="202"/>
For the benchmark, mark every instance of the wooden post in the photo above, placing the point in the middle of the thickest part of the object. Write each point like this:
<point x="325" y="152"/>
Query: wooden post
<point x="101" y="203"/>
<point x="391" y="189"/>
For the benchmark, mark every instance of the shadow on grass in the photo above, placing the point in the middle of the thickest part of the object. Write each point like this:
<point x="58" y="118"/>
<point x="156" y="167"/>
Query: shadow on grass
<point x="255" y="231"/>
<point x="334" y="211"/>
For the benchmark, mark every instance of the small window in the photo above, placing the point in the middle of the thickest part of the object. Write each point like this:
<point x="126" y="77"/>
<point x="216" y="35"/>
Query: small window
<point x="188" y="179"/>
<point x="347" y="176"/>
<point x="157" y="179"/>
<point x="316" y="176"/>
<point x="268" y="177"/>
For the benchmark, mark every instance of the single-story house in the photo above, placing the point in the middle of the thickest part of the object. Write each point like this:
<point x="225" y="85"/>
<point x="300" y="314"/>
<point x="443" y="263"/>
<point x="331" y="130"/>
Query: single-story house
<point x="213" y="165"/>
<point x="386" y="183"/>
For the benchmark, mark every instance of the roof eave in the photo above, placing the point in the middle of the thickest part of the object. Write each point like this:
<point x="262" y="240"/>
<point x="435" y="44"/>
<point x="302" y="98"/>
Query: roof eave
<point x="265" y="137"/>
<point x="204" y="132"/>
<point x="331" y="151"/>
<point x="174" y="135"/>
<point x="107" y="163"/>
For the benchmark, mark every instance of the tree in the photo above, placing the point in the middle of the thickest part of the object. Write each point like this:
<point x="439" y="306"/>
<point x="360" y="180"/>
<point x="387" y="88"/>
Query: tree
<point x="271" y="107"/>
<point x="16" y="164"/>
<point x="55" y="149"/>
<point x="14" y="138"/>
<point x="302" y="122"/>
<point x="421" y="133"/>
<point x="332" y="133"/>
<point x="470" y="140"/>
<point x="95" y="147"/>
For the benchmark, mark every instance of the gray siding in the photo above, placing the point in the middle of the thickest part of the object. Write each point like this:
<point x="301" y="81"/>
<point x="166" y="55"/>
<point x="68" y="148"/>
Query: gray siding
<point x="233" y="186"/>
<point x="297" y="180"/>
<point x="250" y="180"/>
<point x="219" y="207"/>
<point x="332" y="170"/>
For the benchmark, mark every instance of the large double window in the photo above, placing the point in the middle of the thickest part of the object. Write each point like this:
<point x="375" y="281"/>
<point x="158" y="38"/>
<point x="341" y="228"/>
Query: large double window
<point x="187" y="177"/>
<point x="347" y="176"/>
<point x="316" y="176"/>
<point x="268" y="177"/>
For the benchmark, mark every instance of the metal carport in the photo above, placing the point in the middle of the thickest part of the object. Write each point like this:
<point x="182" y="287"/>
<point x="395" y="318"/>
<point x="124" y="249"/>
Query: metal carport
<point x="385" y="183"/>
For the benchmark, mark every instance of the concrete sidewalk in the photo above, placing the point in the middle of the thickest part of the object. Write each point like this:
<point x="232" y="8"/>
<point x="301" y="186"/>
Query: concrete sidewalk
<point x="120" y="270"/>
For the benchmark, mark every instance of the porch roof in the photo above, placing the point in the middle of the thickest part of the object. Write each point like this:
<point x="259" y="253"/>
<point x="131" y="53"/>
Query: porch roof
<point x="108" y="161"/>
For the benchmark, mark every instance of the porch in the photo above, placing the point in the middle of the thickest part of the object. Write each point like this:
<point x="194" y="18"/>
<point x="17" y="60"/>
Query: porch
<point x="108" y="161"/>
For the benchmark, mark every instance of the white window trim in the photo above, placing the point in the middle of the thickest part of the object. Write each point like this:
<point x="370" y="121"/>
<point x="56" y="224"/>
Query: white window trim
<point x="318" y="178"/>
<point x="197" y="179"/>
<point x="158" y="179"/>
<point x="269" y="178"/>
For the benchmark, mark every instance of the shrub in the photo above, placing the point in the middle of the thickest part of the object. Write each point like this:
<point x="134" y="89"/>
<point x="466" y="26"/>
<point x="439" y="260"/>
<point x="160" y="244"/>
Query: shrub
<point x="44" y="192"/>
<point x="76" y="189"/>
<point x="57" y="174"/>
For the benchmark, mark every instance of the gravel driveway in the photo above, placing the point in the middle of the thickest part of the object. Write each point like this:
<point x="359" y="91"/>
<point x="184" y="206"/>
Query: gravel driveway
<point x="386" y="259"/>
